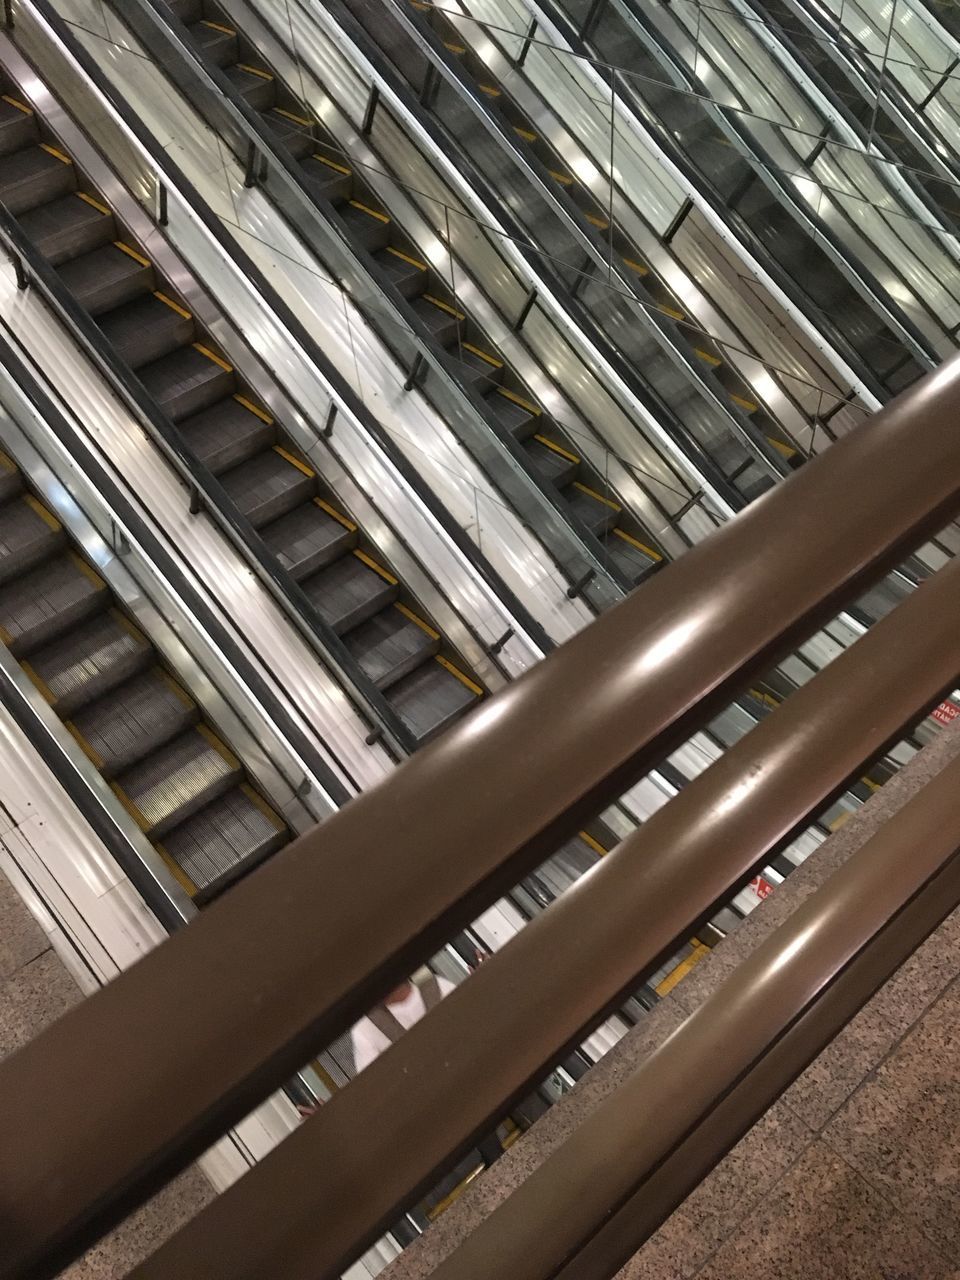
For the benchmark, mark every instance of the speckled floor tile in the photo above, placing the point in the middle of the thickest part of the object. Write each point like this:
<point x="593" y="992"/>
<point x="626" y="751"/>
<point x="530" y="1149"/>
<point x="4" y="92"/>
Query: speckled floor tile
<point x="826" y="1222"/>
<point x="21" y="938"/>
<point x="864" y="1043"/>
<point x="708" y="1216"/>
<point x="35" y="996"/>
<point x="901" y="1129"/>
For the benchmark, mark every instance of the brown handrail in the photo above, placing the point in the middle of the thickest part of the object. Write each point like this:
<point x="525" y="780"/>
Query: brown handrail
<point x="295" y="954"/>
<point x="604" y="1164"/>
<point x="377" y="1144"/>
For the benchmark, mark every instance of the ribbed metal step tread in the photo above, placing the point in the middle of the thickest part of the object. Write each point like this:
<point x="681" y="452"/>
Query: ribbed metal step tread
<point x="519" y="420"/>
<point x="144" y="330"/>
<point x="106" y="278"/>
<point x="258" y="92"/>
<point x="369" y="228"/>
<point x="267" y="487"/>
<point x="33" y="176"/>
<point x="28" y="535"/>
<point x="234" y="827"/>
<point x="308" y="539"/>
<point x="188" y="380"/>
<point x="217" y="46"/>
<point x="475" y="369"/>
<point x="18" y="128"/>
<point x="391" y="645"/>
<point x="410" y="277"/>
<point x="126" y="724"/>
<point x="328" y="183"/>
<point x="632" y="561"/>
<point x="444" y="327"/>
<point x="348" y="592"/>
<point x="226" y="434"/>
<point x="186" y="10"/>
<point x="42" y="603"/>
<point x="297" y="138"/>
<point x="64" y="228"/>
<point x="177" y="780"/>
<point x="92" y="659"/>
<point x="596" y="514"/>
<point x="430" y="699"/>
<point x="551" y="465"/>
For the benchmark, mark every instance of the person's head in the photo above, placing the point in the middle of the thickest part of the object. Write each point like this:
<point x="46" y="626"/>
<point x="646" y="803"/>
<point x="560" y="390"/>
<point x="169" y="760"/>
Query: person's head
<point x="399" y="994"/>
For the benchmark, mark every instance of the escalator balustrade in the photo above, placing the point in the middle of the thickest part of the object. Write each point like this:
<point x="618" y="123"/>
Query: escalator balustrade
<point x="300" y="521"/>
<point x="475" y="361"/>
<point x="142" y="731"/>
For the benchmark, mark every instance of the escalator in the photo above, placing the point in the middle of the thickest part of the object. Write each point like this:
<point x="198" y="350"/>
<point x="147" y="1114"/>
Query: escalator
<point x="170" y="769"/>
<point x="587" y="499"/>
<point x="704" y="140"/>
<point x="301" y="524"/>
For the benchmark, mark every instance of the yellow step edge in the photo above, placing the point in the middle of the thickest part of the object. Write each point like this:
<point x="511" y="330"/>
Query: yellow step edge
<point x="131" y="253"/>
<point x="41" y="685"/>
<point x="490" y="90"/>
<point x="405" y="257"/>
<point x="766" y="698"/>
<point x="442" y="1206"/>
<point x="707" y="357"/>
<point x="636" y="267"/>
<point x="781" y="447"/>
<point x="332" y="164"/>
<point x="212" y="355"/>
<point x="288" y="115"/>
<point x="294" y="461"/>
<point x="48" y="518"/>
<point x="564" y="179"/>
<point x="455" y="671"/>
<point x="635" y="542"/>
<point x="220" y="747"/>
<point x="444" y="306"/>
<point x="94" y="756"/>
<point x="750" y="406"/>
<point x="258" y="802"/>
<point x="519" y="400"/>
<point x="174" y="306"/>
<point x="377" y="568"/>
<point x="218" y="26"/>
<point x="527" y="134"/>
<point x="255" y="71"/>
<point x="177" y="690"/>
<point x="5" y="636"/>
<point x="595" y="845"/>
<point x="15" y="102"/>
<point x="336" y="515"/>
<point x="123" y="621"/>
<point x="94" y="204"/>
<point x="672" y="312"/>
<point x="130" y="807"/>
<point x="555" y="448"/>
<point x="837" y="823"/>
<point x="87" y="571"/>
<point x="374" y="213"/>
<point x="254" y="409"/>
<point x="455" y="48"/>
<point x="483" y="355"/>
<point x="592" y="493"/>
<point x="683" y="968"/>
<point x="597" y="221"/>
<point x="177" y="871"/>
<point x="7" y="462"/>
<point x="409" y="614"/>
<point x="57" y="154"/>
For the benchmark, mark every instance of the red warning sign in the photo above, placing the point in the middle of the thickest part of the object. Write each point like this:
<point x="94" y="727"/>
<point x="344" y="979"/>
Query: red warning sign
<point x="762" y="888"/>
<point x="946" y="712"/>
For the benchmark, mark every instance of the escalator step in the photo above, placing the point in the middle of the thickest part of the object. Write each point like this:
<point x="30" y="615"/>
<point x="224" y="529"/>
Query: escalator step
<point x="130" y="721"/>
<point x="290" y="131"/>
<point x="349" y="592"/>
<point x="65" y="228"/>
<point x="444" y="325"/>
<point x="43" y="603"/>
<point x="107" y="277"/>
<point x="217" y="43"/>
<point x="370" y="227"/>
<point x="430" y="699"/>
<point x="235" y="826"/>
<point x="632" y="560"/>
<point x="28" y="535"/>
<point x="552" y="462"/>
<point x="328" y="179"/>
<point x="513" y="414"/>
<point x="93" y="658"/>
<point x="186" y="10"/>
<point x="267" y="486"/>
<point x="309" y="538"/>
<point x="481" y="368"/>
<point x="406" y="273"/>
<point x="257" y="88"/>
<point x="145" y="330"/>
<point x="18" y="125"/>
<point x="177" y="780"/>
<point x="34" y="176"/>
<point x="187" y="381"/>
<point x="10" y="484"/>
<point x="391" y="645"/>
<point x="591" y="509"/>
<point x="227" y="434"/>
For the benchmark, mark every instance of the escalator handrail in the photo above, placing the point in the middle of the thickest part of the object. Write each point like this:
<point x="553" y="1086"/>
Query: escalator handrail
<point x="341" y="391"/>
<point x="305" y="945"/>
